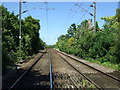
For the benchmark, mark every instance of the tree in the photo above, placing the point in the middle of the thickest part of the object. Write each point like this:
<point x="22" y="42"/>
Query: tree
<point x="72" y="30"/>
<point x="31" y="42"/>
<point x="97" y="26"/>
<point x="103" y="46"/>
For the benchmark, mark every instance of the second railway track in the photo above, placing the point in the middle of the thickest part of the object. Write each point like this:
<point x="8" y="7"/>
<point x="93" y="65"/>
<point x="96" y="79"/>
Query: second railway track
<point x="67" y="77"/>
<point x="100" y="78"/>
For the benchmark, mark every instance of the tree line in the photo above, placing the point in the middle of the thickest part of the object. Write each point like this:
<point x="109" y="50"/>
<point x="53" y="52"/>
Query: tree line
<point x="102" y="47"/>
<point x="31" y="42"/>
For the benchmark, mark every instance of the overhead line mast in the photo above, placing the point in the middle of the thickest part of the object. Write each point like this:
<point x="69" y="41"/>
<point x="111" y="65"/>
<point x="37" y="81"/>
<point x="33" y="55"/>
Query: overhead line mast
<point x="91" y="14"/>
<point x="20" y="9"/>
<point x="94" y="17"/>
<point x="20" y="13"/>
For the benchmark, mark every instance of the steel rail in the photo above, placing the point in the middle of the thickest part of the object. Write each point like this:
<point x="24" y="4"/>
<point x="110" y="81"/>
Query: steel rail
<point x="50" y="63"/>
<point x="21" y="77"/>
<point x="113" y="77"/>
<point x="79" y="72"/>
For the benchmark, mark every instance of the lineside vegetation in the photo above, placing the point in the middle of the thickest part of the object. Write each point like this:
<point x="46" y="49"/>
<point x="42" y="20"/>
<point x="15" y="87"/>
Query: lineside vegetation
<point x="31" y="42"/>
<point x="102" y="47"/>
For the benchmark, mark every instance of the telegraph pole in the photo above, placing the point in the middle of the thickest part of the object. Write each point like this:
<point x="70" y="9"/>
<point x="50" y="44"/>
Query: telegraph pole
<point x="20" y="9"/>
<point x="94" y="17"/>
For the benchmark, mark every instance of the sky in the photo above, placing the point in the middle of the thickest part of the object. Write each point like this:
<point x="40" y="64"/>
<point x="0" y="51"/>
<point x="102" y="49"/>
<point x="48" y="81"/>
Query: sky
<point x="56" y="22"/>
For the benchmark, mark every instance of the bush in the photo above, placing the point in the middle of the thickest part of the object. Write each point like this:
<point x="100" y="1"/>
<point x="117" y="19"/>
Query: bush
<point x="102" y="46"/>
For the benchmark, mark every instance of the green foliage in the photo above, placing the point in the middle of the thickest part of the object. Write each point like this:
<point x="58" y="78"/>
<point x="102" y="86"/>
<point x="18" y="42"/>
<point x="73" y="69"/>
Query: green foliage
<point x="101" y="47"/>
<point x="31" y="42"/>
<point x="72" y="30"/>
<point x="51" y="46"/>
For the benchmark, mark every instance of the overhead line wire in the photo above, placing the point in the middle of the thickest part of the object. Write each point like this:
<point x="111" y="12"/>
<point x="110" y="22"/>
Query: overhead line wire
<point x="27" y="9"/>
<point x="47" y="18"/>
<point x="86" y="10"/>
<point x="70" y="14"/>
<point x="83" y="16"/>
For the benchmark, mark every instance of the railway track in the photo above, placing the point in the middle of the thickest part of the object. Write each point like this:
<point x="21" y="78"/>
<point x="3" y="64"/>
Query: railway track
<point x="36" y="76"/>
<point x="99" y="78"/>
<point x="57" y="70"/>
<point x="67" y="77"/>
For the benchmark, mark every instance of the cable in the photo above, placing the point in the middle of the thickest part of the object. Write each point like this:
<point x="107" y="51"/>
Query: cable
<point x="68" y="20"/>
<point x="75" y="6"/>
<point x="86" y="10"/>
<point x="72" y="15"/>
<point x="83" y="16"/>
<point x="47" y="19"/>
<point x="47" y="15"/>
<point x="76" y="11"/>
<point x="27" y="9"/>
